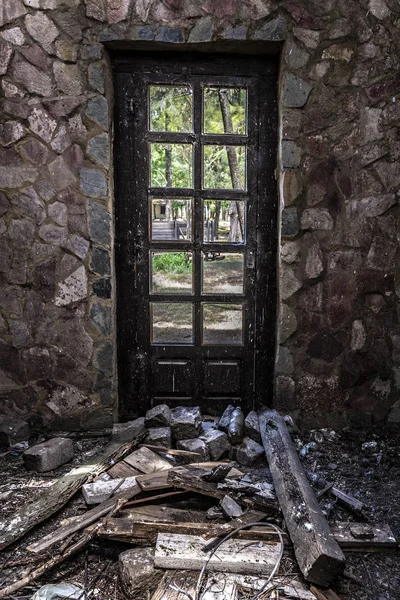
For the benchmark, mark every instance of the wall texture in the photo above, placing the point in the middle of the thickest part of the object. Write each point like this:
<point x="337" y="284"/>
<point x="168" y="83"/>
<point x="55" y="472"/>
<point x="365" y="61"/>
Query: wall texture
<point x="338" y="357"/>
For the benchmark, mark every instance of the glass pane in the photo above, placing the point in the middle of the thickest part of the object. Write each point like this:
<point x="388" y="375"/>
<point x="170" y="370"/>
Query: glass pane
<point x="171" y="323"/>
<point x="225" y="167"/>
<point x="225" y="110"/>
<point x="171" y="165"/>
<point x="223" y="324"/>
<point x="224" y="221"/>
<point x="222" y="273"/>
<point x="171" y="219"/>
<point x="171" y="273"/>
<point x="170" y="108"/>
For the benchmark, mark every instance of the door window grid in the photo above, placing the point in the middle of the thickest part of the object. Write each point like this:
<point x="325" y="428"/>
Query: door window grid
<point x="216" y="166"/>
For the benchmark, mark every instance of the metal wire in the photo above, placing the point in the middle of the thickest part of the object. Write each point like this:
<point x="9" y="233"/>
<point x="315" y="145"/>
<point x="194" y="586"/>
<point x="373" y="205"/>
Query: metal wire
<point x="228" y="537"/>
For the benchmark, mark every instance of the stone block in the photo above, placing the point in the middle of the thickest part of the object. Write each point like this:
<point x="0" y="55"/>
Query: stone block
<point x="32" y="79"/>
<point x="96" y="77"/>
<point x="61" y="140"/>
<point x="137" y="575"/>
<point x="28" y="203"/>
<point x="99" y="491"/>
<point x="42" y="29"/>
<point x="394" y="415"/>
<point x="14" y="177"/>
<point x="252" y="427"/>
<point x="5" y="56"/>
<point x="52" y="234"/>
<point x="49" y="455"/>
<point x="158" y="416"/>
<point x="185" y="422"/>
<point x="291" y="154"/>
<point x="316" y="219"/>
<point x="159" y="436"/>
<point x="217" y="443"/>
<point x="202" y="31"/>
<point x="272" y="31"/>
<point x="13" y="431"/>
<point x="248" y="452"/>
<point x="100" y="262"/>
<point x="98" y="149"/>
<point x="224" y="421"/>
<point x="287" y="323"/>
<point x="68" y="78"/>
<point x="77" y="244"/>
<point x="73" y="289"/>
<point x="231" y="508"/>
<point x="105" y="357"/>
<point x="94" y="184"/>
<point x="97" y="111"/>
<point x="195" y="445"/>
<point x="42" y="124"/>
<point x="295" y="91"/>
<point x="102" y="288"/>
<point x="129" y="430"/>
<point x="11" y="132"/>
<point x="11" y="10"/>
<point x="60" y="175"/>
<point x="100" y="314"/>
<point x="173" y="35"/>
<point x="34" y="151"/>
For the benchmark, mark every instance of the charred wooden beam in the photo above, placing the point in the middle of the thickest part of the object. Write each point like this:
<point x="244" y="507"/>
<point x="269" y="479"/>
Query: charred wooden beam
<point x="317" y="552"/>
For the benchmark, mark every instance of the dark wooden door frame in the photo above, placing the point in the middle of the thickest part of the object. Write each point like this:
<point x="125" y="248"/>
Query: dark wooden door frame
<point x="129" y="159"/>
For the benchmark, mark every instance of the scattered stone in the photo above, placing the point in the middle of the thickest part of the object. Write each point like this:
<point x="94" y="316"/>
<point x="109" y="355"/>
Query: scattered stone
<point x="185" y="422"/>
<point x="42" y="124"/>
<point x="5" y="56"/>
<point x="49" y="455"/>
<point x="252" y="427"/>
<point x="137" y="574"/>
<point x="369" y="447"/>
<point x="14" y="36"/>
<point x="129" y="430"/>
<point x="159" y="436"/>
<point x="225" y="419"/>
<point x="195" y="445"/>
<point x="217" y="443"/>
<point x="99" y="491"/>
<point x="295" y="91"/>
<point x="158" y="416"/>
<point x="231" y="508"/>
<point x="72" y="289"/>
<point x="13" y="431"/>
<point x="248" y="452"/>
<point x="42" y="29"/>
<point x="97" y="111"/>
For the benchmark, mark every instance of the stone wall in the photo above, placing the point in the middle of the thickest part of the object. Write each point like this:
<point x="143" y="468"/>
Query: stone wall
<point x="338" y="358"/>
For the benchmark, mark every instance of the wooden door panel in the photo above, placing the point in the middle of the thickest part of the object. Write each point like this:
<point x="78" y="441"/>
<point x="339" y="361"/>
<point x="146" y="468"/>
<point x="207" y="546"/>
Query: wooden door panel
<point x="195" y="229"/>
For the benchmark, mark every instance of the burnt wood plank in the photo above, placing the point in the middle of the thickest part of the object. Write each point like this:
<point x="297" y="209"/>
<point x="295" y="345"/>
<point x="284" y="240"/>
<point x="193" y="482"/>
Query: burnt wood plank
<point x="55" y="497"/>
<point x="318" y="554"/>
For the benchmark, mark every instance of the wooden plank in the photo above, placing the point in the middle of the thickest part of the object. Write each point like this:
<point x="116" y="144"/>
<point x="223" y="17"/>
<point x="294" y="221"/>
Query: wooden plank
<point x="147" y="461"/>
<point x="122" y="469"/>
<point x="82" y="521"/>
<point x="324" y="595"/>
<point x="55" y="497"/>
<point x="154" y="481"/>
<point x="185" y="580"/>
<point x="163" y="514"/>
<point x="172" y="451"/>
<point x="156" y="497"/>
<point x="318" y="554"/>
<point x="190" y="478"/>
<point x="364" y="536"/>
<point x="234" y="556"/>
<point x="132" y="529"/>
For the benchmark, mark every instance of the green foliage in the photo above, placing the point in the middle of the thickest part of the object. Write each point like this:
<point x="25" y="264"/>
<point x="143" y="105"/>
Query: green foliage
<point x="213" y="122"/>
<point x="172" y="262"/>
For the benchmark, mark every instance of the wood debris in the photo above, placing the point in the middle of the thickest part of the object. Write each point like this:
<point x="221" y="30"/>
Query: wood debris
<point x="158" y="498"/>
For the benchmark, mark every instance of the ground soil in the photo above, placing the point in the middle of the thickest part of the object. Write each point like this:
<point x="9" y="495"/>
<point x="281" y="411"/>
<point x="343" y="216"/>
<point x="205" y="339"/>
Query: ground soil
<point x="371" y="473"/>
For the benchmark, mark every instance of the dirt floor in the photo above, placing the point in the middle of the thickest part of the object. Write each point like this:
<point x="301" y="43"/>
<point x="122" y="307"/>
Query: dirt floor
<point x="369" y="471"/>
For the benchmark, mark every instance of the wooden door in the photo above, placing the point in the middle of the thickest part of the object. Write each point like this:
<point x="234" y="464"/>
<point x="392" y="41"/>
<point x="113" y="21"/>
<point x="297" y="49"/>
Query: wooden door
<point x="195" y="216"/>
